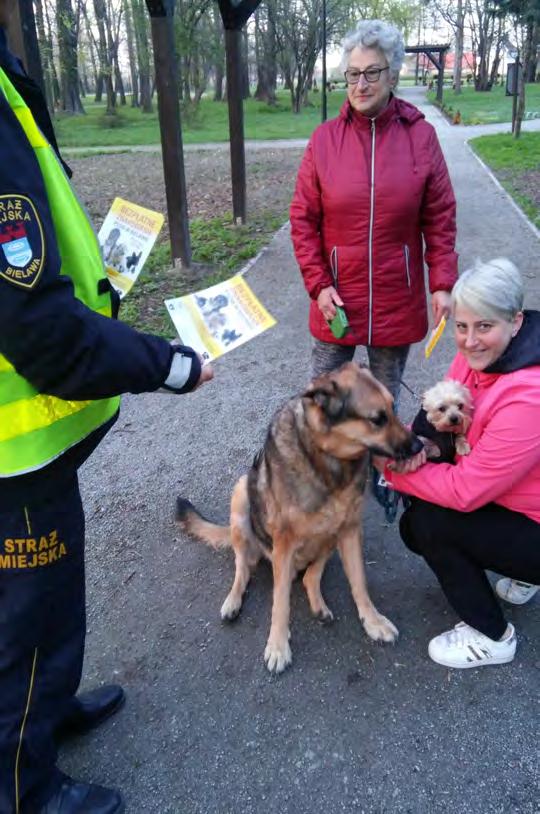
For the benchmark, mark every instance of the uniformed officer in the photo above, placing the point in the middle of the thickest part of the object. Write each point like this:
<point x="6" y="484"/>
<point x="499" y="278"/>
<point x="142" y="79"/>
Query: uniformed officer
<point x="63" y="362"/>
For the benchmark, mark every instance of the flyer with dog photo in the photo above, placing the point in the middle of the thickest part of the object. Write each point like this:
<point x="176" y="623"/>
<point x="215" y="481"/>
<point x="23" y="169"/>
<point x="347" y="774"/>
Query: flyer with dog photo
<point x="220" y="318"/>
<point x="126" y="238"/>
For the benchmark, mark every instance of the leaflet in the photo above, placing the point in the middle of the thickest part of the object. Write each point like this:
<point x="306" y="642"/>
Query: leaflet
<point x="126" y="238"/>
<point x="220" y="318"/>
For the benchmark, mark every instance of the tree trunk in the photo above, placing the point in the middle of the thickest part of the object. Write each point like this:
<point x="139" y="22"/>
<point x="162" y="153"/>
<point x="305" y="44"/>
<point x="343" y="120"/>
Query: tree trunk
<point x="113" y="38"/>
<point x="46" y="51"/>
<point x="520" y="108"/>
<point x="219" y="76"/>
<point x="55" y="80"/>
<point x="84" y="82"/>
<point x="532" y="46"/>
<point x="497" y="58"/>
<point x="533" y="68"/>
<point x="92" y="50"/>
<point x="265" y="50"/>
<point x="244" y="79"/>
<point x="185" y="83"/>
<point x="130" y="39"/>
<point x="298" y="90"/>
<point x="99" y="87"/>
<point x="486" y="36"/>
<point x="140" y="25"/>
<point x="199" y="77"/>
<point x="68" y="36"/>
<point x="460" y="23"/>
<point x="119" y="82"/>
<point x="219" y="58"/>
<point x="105" y="66"/>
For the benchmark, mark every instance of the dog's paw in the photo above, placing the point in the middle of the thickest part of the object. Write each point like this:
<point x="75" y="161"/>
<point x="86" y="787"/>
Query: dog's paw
<point x="324" y="615"/>
<point x="380" y="629"/>
<point x="277" y="656"/>
<point x="462" y="446"/>
<point x="230" y="609"/>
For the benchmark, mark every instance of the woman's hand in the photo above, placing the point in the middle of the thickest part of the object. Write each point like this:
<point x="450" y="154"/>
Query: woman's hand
<point x="401" y="467"/>
<point x="440" y="305"/>
<point x="409" y="464"/>
<point x="379" y="462"/>
<point x="327" y="300"/>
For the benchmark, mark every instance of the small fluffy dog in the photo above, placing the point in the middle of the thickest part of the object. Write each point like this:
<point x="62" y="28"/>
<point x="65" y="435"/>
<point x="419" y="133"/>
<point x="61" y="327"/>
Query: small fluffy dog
<point x="443" y="420"/>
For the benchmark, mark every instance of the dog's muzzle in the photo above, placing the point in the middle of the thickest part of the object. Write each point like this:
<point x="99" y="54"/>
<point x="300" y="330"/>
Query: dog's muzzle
<point x="410" y="448"/>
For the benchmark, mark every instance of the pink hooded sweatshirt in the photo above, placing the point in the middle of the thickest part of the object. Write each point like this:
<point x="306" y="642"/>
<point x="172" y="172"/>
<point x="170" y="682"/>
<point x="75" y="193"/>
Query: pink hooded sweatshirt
<point x="503" y="466"/>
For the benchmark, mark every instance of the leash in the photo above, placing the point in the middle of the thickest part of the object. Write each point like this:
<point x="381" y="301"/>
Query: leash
<point x="406" y="386"/>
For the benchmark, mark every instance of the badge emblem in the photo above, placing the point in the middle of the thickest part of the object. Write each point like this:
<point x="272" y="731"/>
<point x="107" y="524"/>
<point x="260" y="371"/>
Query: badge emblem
<point x="22" y="248"/>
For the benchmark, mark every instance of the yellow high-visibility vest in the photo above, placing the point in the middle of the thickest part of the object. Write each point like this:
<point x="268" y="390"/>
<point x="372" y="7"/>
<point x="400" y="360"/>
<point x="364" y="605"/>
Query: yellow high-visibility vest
<point x="36" y="428"/>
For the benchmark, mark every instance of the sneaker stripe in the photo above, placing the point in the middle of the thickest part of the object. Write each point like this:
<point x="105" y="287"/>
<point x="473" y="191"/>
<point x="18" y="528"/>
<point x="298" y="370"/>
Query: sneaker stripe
<point x="475" y="653"/>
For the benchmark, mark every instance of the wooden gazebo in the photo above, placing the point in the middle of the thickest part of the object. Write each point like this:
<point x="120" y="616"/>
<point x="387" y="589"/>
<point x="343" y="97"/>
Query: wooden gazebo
<point x="438" y="61"/>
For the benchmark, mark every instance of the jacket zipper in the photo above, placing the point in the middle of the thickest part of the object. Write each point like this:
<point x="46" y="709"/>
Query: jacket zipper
<point x="370" y="240"/>
<point x="407" y="269"/>
<point x="334" y="266"/>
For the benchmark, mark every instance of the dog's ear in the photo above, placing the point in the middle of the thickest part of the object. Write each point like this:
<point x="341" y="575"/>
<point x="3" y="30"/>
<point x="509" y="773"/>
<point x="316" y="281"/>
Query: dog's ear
<point x="328" y="397"/>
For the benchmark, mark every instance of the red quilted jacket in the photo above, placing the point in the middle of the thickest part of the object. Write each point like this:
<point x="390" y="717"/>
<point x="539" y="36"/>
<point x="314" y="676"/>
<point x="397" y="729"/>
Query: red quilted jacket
<point x="367" y="192"/>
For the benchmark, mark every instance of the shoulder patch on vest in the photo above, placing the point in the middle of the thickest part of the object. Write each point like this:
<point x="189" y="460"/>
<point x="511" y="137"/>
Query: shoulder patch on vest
<point x="22" y="244"/>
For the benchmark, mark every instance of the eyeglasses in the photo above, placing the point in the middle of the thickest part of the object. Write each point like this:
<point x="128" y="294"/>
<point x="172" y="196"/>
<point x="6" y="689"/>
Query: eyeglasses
<point x="352" y="75"/>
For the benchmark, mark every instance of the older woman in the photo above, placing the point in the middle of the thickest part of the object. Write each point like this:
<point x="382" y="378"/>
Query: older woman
<point x="372" y="187"/>
<point x="483" y="512"/>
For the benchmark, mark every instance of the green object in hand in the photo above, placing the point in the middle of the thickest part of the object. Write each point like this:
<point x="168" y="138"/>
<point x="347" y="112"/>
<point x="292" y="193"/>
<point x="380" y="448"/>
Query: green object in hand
<point x="339" y="325"/>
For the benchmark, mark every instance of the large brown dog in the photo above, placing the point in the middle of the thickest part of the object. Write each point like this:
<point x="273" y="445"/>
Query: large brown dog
<point x="302" y="498"/>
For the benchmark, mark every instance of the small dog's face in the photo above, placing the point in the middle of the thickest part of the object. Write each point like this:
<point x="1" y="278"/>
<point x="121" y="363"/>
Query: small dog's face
<point x="448" y="406"/>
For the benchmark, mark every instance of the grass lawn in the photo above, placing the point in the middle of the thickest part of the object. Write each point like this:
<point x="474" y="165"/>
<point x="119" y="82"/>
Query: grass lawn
<point x="487" y="108"/>
<point x="516" y="164"/>
<point x="219" y="250"/>
<point x="210" y="123"/>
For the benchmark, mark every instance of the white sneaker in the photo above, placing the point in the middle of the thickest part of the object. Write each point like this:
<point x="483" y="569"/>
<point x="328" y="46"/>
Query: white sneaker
<point x="514" y="591"/>
<point x="463" y="647"/>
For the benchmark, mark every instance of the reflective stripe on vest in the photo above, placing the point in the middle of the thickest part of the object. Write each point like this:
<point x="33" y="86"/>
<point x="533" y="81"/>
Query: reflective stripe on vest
<point x="36" y="428"/>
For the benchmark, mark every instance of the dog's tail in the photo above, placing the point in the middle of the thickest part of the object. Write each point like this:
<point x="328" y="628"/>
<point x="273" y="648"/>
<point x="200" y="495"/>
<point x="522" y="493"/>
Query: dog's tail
<point x="194" y="523"/>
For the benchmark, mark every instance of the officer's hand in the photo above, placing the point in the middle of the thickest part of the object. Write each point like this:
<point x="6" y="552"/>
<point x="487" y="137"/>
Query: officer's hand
<point x="207" y="373"/>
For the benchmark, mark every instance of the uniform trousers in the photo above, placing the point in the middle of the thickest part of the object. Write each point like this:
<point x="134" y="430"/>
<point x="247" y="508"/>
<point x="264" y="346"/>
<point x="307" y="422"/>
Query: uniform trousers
<point x="460" y="546"/>
<point x="42" y="632"/>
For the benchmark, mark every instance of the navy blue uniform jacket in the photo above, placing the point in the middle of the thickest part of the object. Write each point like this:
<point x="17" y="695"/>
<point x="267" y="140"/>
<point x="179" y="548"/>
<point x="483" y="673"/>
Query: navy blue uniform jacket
<point x="58" y="344"/>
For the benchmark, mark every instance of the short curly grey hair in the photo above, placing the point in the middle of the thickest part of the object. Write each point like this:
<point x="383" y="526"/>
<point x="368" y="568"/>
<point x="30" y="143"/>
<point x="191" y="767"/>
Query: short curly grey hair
<point x="376" y="34"/>
<point x="494" y="290"/>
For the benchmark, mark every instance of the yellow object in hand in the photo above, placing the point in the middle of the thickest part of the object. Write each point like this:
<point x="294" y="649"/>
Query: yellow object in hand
<point x="434" y="337"/>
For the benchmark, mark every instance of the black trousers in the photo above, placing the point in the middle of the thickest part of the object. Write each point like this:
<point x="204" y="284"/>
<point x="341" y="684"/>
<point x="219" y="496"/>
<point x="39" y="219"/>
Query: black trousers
<point x="460" y="546"/>
<point x="42" y="631"/>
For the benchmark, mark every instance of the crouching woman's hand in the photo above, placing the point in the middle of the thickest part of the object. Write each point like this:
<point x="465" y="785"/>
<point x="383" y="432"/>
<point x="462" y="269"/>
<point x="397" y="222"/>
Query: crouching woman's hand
<point x="404" y="467"/>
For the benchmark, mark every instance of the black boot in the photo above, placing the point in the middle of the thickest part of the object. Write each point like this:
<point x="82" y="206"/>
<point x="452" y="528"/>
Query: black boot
<point x="90" y="709"/>
<point x="81" y="798"/>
